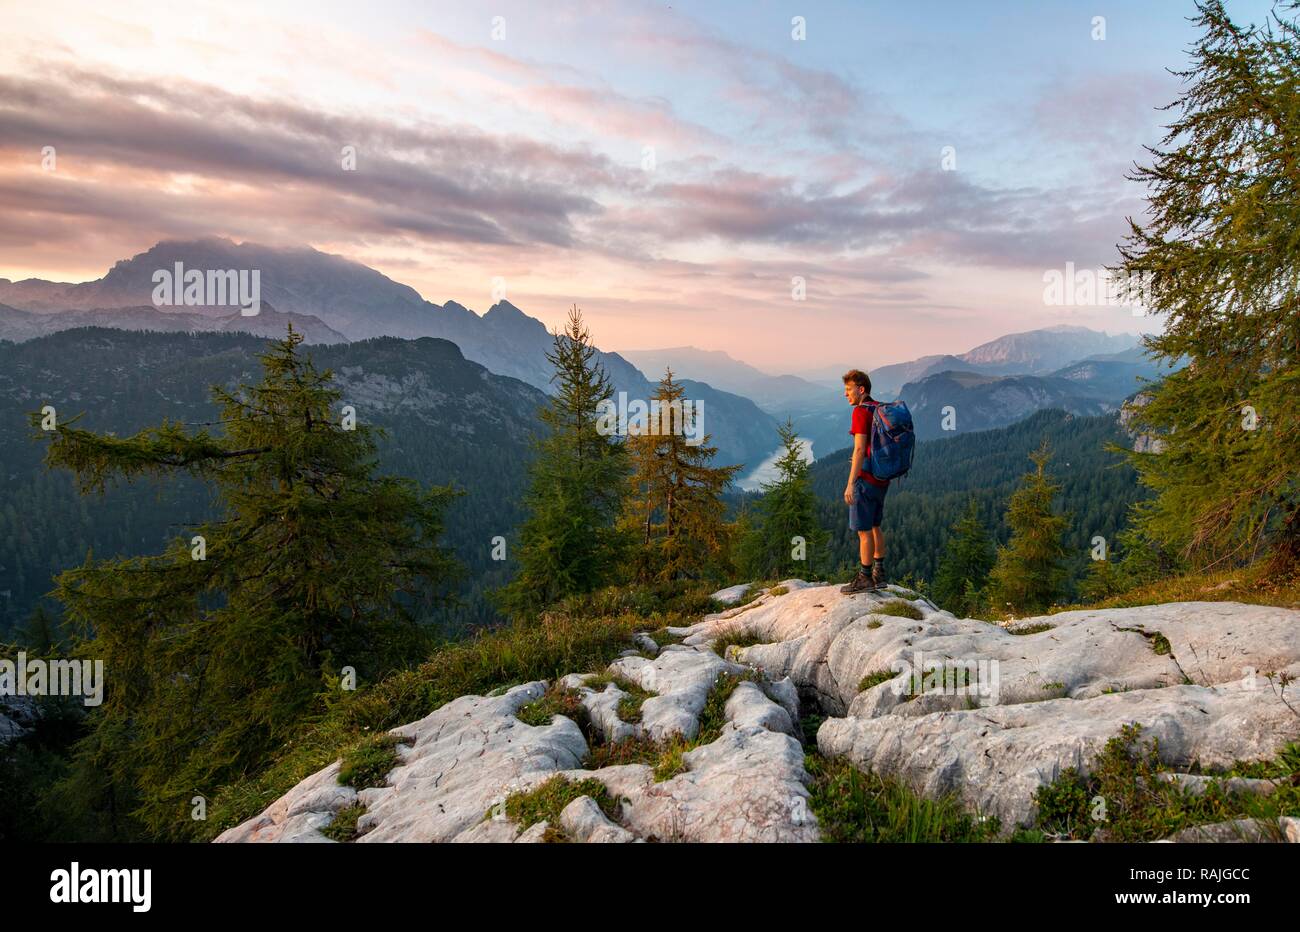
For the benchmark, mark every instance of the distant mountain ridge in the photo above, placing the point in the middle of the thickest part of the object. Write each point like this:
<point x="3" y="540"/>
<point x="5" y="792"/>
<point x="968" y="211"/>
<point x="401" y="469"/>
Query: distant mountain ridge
<point x="1074" y="369"/>
<point x="355" y="302"/>
<point x="1031" y="352"/>
<point x="772" y="393"/>
<point x="19" y="325"/>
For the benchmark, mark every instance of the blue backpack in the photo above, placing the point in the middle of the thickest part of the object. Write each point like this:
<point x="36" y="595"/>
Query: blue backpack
<point x="892" y="440"/>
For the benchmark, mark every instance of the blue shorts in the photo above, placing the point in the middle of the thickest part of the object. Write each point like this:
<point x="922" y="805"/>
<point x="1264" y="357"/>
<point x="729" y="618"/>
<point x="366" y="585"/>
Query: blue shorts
<point x="868" y="506"/>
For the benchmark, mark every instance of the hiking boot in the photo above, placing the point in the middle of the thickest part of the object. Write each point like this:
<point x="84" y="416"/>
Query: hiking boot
<point x="861" y="583"/>
<point x="878" y="580"/>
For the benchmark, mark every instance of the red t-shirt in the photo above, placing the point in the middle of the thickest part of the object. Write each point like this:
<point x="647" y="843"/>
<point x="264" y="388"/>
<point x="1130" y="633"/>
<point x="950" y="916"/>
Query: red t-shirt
<point x="862" y="425"/>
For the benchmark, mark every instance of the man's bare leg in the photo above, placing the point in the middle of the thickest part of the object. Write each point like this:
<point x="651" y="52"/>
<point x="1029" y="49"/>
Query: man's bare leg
<point x="878" y="550"/>
<point x="866" y="543"/>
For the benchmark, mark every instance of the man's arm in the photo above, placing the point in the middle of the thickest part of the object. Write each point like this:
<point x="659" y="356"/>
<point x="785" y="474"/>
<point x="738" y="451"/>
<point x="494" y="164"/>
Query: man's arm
<point x="859" y="453"/>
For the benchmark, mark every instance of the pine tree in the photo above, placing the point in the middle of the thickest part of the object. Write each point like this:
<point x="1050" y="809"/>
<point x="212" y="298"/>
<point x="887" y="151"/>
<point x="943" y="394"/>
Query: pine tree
<point x="964" y="569"/>
<point x="40" y="633"/>
<point x="785" y="537"/>
<point x="569" y="543"/>
<point x="1220" y="255"/>
<point x="1102" y="580"/>
<point x="1029" y="571"/>
<point x="217" y="650"/>
<point x="675" y="507"/>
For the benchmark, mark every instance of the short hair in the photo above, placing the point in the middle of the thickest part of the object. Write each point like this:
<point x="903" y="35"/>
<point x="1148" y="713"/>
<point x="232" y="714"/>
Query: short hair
<point x="858" y="377"/>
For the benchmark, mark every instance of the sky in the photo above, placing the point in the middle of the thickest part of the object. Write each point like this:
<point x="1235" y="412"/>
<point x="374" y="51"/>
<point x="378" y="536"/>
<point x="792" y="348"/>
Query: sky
<point x="803" y="185"/>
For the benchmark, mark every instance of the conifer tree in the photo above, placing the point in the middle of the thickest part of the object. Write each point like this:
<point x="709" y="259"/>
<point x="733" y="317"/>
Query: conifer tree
<point x="1219" y="258"/>
<point x="963" y="572"/>
<point x="675" y="507"/>
<point x="40" y="633"/>
<point x="217" y="650"/>
<point x="1029" y="571"/>
<point x="569" y="543"/>
<point x="784" y="538"/>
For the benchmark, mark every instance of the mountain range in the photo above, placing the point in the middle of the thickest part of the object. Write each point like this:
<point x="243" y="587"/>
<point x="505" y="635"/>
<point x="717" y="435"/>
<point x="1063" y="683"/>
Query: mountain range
<point x="1074" y="369"/>
<point x="335" y="299"/>
<point x="447" y="419"/>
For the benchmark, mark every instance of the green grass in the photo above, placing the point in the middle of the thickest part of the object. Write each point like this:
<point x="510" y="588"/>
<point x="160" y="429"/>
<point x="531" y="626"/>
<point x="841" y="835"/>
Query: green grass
<point x="558" y="700"/>
<point x="874" y="623"/>
<point x="368" y="763"/>
<point x="856" y="807"/>
<point x="1254" y="585"/>
<point x="628" y="751"/>
<point x="808" y="726"/>
<point x="1138" y="806"/>
<point x="714" y="715"/>
<point x="875" y="679"/>
<point x="900" y="609"/>
<point x="670" y="762"/>
<point x="734" y="637"/>
<point x="545" y="802"/>
<point x="778" y="590"/>
<point x="344" y="826"/>
<point x="546" y="649"/>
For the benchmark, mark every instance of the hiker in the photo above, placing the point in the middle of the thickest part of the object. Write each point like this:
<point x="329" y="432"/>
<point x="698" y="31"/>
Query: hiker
<point x="864" y="494"/>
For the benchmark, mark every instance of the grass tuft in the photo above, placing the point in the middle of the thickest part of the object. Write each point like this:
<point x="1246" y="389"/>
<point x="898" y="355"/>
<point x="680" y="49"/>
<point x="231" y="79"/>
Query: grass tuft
<point x="854" y="806"/>
<point x="545" y="802"/>
<point x="558" y="700"/>
<point x="1123" y="797"/>
<point x="344" y="826"/>
<point x="734" y="637"/>
<point x="367" y="765"/>
<point x="875" y="679"/>
<point x="900" y="609"/>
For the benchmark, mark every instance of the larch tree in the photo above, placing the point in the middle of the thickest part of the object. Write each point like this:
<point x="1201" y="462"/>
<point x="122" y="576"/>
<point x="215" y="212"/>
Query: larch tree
<point x="316" y="570"/>
<point x="1219" y="257"/>
<point x="674" y="507"/>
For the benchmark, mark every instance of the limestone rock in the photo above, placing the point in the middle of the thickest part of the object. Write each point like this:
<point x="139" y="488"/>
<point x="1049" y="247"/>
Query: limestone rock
<point x="583" y="820"/>
<point x="950" y="706"/>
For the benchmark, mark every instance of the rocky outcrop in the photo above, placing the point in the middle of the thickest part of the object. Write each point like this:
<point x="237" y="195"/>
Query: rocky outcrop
<point x="1205" y="679"/>
<point x="948" y="705"/>
<point x="463" y="761"/>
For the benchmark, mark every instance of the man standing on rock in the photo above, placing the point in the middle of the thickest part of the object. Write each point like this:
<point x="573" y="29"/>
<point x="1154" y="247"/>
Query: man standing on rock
<point x="864" y="494"/>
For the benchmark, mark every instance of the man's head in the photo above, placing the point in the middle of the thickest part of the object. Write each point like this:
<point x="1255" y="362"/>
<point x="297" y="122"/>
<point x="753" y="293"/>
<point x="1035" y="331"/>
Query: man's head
<point x="857" y="387"/>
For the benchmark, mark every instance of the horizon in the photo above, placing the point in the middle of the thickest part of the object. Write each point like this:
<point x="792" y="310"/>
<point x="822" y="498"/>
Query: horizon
<point x="663" y="171"/>
<point x="805" y="372"/>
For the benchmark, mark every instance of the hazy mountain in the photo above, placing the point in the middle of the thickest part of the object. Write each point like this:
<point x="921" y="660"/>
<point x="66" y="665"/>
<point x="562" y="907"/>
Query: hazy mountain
<point x="358" y="302"/>
<point x="887" y="381"/>
<point x="1034" y="352"/>
<point x="1113" y="377"/>
<point x="981" y="402"/>
<point x="1037" y="352"/>
<point x="19" y="325"/>
<point x="776" y="394"/>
